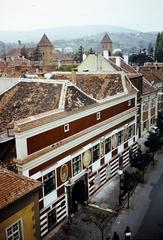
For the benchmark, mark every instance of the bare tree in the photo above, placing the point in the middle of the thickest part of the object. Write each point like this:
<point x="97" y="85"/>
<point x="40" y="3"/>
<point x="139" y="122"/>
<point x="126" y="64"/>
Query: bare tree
<point x="100" y="217"/>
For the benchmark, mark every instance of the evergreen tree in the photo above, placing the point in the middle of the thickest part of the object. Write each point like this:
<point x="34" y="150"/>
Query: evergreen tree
<point x="91" y="51"/>
<point x="150" y="49"/>
<point x="79" y="54"/>
<point x="159" y="47"/>
<point x="36" y="56"/>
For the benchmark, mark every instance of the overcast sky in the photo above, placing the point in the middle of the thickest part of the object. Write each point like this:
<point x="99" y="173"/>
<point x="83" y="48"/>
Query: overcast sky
<point x="143" y="15"/>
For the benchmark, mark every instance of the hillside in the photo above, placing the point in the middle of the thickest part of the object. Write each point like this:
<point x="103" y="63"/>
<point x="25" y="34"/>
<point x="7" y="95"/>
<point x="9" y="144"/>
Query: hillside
<point x="87" y="36"/>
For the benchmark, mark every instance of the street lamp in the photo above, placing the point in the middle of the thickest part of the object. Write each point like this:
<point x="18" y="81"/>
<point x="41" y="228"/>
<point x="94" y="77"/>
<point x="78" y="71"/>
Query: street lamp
<point x="120" y="173"/>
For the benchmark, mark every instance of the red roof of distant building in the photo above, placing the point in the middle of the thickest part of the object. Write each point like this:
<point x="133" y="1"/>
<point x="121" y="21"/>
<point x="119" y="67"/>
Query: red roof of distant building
<point x="45" y="41"/>
<point x="106" y="39"/>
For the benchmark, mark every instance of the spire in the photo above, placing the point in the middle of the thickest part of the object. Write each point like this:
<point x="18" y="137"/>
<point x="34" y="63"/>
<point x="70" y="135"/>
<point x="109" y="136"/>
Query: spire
<point x="106" y="39"/>
<point x="45" y="41"/>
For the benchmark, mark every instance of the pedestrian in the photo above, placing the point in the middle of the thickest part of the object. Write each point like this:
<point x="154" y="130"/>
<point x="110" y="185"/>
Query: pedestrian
<point x="127" y="233"/>
<point x="115" y="236"/>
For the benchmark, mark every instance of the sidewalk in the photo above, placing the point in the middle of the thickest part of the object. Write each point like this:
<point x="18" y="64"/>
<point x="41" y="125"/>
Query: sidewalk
<point x="139" y="201"/>
<point x="107" y="198"/>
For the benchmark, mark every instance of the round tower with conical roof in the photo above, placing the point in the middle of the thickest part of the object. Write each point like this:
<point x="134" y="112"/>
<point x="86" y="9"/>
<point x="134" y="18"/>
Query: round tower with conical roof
<point x="45" y="48"/>
<point x="106" y="45"/>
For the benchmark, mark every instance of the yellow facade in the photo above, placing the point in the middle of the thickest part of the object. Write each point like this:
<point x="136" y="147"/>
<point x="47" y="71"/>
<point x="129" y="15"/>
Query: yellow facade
<point x="26" y="215"/>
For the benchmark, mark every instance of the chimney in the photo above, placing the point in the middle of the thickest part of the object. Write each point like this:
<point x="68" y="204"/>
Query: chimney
<point x="84" y="56"/>
<point x="73" y="77"/>
<point x="106" y="54"/>
<point x="126" y="59"/>
<point x="118" y="61"/>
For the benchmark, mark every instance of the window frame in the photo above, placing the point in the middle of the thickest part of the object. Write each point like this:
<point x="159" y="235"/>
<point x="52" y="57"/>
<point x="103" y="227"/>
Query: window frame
<point x="95" y="152"/>
<point x="54" y="183"/>
<point x="131" y="131"/>
<point x="20" y="228"/>
<point x="76" y="163"/>
<point x="66" y="127"/>
<point x="98" y="116"/>
<point x="49" y="225"/>
<point x="120" y="136"/>
<point x="108" y="142"/>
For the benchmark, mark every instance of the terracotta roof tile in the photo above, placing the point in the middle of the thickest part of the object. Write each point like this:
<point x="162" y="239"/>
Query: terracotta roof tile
<point x="13" y="187"/>
<point x="27" y="99"/>
<point x="106" y="39"/>
<point x="151" y="77"/>
<point x="123" y="65"/>
<point x="63" y="56"/>
<point x="45" y="41"/>
<point x="159" y="74"/>
<point x="99" y="85"/>
<point x="76" y="99"/>
<point x="115" y="66"/>
<point x="147" y="87"/>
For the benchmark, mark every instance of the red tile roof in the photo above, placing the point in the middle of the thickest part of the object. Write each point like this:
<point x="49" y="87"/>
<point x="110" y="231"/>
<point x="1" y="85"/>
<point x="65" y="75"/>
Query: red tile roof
<point x="16" y="52"/>
<point x="58" y="55"/>
<point x="123" y="65"/>
<point x="76" y="99"/>
<point x="106" y="39"/>
<point x="151" y="77"/>
<point x="147" y="87"/>
<point x="14" y="186"/>
<point x="159" y="74"/>
<point x="45" y="41"/>
<point x="99" y="85"/>
<point x="27" y="99"/>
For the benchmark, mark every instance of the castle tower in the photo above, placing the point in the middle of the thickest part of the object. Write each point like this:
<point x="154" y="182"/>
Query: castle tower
<point x="106" y="46"/>
<point x="45" y="48"/>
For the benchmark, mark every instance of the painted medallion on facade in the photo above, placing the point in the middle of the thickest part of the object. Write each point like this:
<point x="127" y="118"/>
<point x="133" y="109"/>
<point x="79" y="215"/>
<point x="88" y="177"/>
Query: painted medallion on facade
<point x="87" y="158"/>
<point x="64" y="173"/>
<point x="114" y="141"/>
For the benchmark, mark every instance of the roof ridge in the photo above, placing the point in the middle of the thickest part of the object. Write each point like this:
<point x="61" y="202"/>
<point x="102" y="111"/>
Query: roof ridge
<point x="45" y="41"/>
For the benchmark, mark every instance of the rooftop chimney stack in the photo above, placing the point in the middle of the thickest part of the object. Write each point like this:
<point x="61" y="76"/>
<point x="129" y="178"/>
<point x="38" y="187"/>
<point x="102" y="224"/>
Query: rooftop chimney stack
<point x="106" y="54"/>
<point x="73" y="77"/>
<point x="118" y="61"/>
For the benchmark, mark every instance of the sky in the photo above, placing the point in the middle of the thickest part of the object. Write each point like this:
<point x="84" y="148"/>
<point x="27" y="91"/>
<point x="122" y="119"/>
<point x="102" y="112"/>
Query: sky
<point x="142" y="15"/>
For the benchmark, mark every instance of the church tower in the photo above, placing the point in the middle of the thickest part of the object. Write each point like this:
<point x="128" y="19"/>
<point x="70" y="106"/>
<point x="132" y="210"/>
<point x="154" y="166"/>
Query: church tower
<point x="45" y="48"/>
<point x="106" y="46"/>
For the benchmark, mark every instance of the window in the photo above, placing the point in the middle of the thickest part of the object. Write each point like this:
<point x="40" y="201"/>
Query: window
<point x="107" y="145"/>
<point x="51" y="218"/>
<point x="153" y="103"/>
<point x="76" y="165"/>
<point x="98" y="116"/>
<point x="152" y="120"/>
<point x="49" y="182"/>
<point x="66" y="127"/>
<point x="129" y="102"/>
<point x="14" y="231"/>
<point x="95" y="152"/>
<point x="146" y="125"/>
<point x="131" y="131"/>
<point x="145" y="107"/>
<point x="120" y="137"/>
